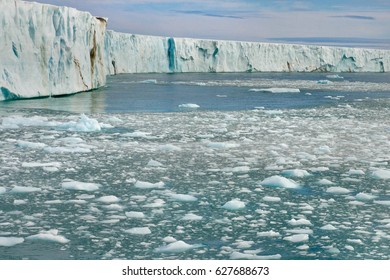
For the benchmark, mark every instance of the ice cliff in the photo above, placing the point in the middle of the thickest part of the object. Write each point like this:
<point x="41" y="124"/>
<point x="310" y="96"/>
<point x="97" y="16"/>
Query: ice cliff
<point x="128" y="53"/>
<point x="47" y="50"/>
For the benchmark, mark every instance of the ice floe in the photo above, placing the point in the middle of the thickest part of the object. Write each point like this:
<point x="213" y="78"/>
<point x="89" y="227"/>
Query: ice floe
<point x="337" y="190"/>
<point x="177" y="247"/>
<point x="279" y="182"/>
<point x="50" y="236"/>
<point x="148" y="185"/>
<point x="138" y="231"/>
<point x="79" y="186"/>
<point x="297" y="238"/>
<point x="234" y="204"/>
<point x="19" y="189"/>
<point x="10" y="241"/>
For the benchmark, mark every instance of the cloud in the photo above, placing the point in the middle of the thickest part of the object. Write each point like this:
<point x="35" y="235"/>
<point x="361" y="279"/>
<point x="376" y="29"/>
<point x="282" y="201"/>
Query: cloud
<point x="355" y="17"/>
<point x="207" y="14"/>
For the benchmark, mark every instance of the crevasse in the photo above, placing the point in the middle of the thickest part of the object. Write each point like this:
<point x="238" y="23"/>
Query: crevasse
<point x="48" y="50"/>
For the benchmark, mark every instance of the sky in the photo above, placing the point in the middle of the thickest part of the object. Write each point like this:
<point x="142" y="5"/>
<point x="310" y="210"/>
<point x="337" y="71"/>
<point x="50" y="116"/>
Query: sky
<point x="329" y="22"/>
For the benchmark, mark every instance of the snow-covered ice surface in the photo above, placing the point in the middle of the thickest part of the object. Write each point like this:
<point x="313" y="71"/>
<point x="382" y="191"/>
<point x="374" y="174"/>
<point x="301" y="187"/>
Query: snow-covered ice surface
<point x="297" y="184"/>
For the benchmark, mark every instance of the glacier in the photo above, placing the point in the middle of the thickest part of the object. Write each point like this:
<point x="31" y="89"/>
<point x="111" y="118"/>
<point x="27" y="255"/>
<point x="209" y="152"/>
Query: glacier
<point x="48" y="50"/>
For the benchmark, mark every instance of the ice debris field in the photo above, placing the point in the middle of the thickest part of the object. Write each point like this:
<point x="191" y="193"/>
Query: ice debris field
<point x="257" y="184"/>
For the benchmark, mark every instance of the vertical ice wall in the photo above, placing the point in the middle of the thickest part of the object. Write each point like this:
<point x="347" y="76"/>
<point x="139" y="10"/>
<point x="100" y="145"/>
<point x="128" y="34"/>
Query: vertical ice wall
<point x="142" y="54"/>
<point x="48" y="50"/>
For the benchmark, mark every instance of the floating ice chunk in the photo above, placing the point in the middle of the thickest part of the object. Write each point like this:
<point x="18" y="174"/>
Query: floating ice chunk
<point x="113" y="207"/>
<point x="352" y="172"/>
<point x="303" y="247"/>
<point x="147" y="185"/>
<point x="382" y="202"/>
<point x="365" y="196"/>
<point x="20" y="201"/>
<point x="169" y="239"/>
<point x="51" y="236"/>
<point x="333" y="250"/>
<point x="135" y="215"/>
<point x="84" y="124"/>
<point x="189" y="106"/>
<point x="19" y="189"/>
<point x="17" y="121"/>
<point x="148" y="81"/>
<point x="276" y="90"/>
<point x="10" y="241"/>
<point x="337" y="190"/>
<point x="355" y="241"/>
<point x="30" y="145"/>
<point x="63" y="150"/>
<point x="325" y="182"/>
<point x="154" y="163"/>
<point x="176" y="247"/>
<point x="2" y="190"/>
<point x="295" y="173"/>
<point x="243" y="256"/>
<point x="168" y="148"/>
<point x="137" y="134"/>
<point x="381" y="174"/>
<point x="233" y="205"/>
<point x="272" y="199"/>
<point x="37" y="164"/>
<point x="328" y="227"/>
<point x="349" y="248"/>
<point x="279" y="181"/>
<point x="323" y="150"/>
<point x="222" y="145"/>
<point x="108" y="199"/>
<point x="192" y="217"/>
<point x="138" y="231"/>
<point x="71" y="140"/>
<point x="296" y="238"/>
<point x="270" y="233"/>
<point x="334" y="76"/>
<point x="79" y="186"/>
<point x="157" y="203"/>
<point x="183" y="197"/>
<point x="300" y="222"/>
<point x="240" y="169"/>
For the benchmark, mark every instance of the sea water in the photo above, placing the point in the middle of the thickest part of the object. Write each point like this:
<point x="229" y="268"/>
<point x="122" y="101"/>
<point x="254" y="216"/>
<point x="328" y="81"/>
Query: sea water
<point x="200" y="166"/>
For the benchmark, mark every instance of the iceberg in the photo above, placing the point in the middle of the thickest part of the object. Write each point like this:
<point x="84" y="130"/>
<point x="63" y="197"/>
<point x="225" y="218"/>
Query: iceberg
<point x="48" y="50"/>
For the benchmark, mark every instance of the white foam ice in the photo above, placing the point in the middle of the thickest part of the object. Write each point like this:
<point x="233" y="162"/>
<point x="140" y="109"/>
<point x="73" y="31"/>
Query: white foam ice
<point x="2" y="190"/>
<point x="177" y="247"/>
<point x="84" y="124"/>
<point x="10" y="241"/>
<point x="135" y="215"/>
<point x="66" y="150"/>
<point x="279" y="182"/>
<point x="139" y="231"/>
<point x="324" y="182"/>
<point x="40" y="164"/>
<point x="189" y="106"/>
<point x="20" y="189"/>
<point x="222" y="145"/>
<point x="137" y="134"/>
<point x="234" y="204"/>
<point x="16" y="121"/>
<point x="297" y="238"/>
<point x="108" y="199"/>
<point x="148" y="185"/>
<point x="51" y="236"/>
<point x="244" y="256"/>
<point x="183" y="197"/>
<point x="355" y="172"/>
<point x="337" y="190"/>
<point x="276" y="90"/>
<point x="79" y="186"/>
